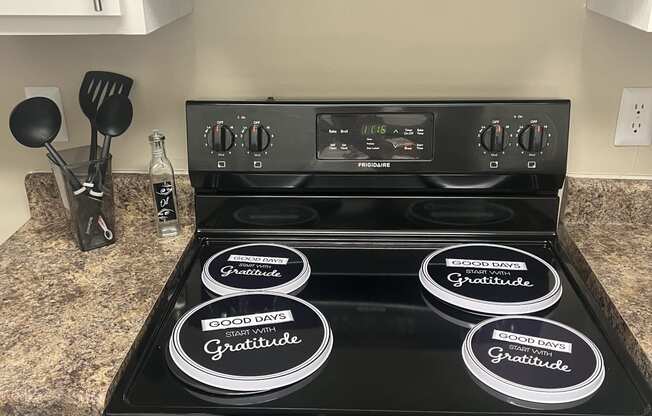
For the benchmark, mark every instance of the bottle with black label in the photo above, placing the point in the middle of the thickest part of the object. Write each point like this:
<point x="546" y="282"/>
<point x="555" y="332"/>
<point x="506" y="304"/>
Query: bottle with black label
<point x="164" y="190"/>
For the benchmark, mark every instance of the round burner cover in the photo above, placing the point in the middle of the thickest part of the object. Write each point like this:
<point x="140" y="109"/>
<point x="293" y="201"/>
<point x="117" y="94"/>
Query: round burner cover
<point x="490" y="278"/>
<point x="271" y="267"/>
<point x="251" y="342"/>
<point x="533" y="359"/>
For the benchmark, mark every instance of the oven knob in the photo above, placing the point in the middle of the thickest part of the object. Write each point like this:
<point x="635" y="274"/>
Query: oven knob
<point x="492" y="138"/>
<point x="257" y="138"/>
<point x="221" y="138"/>
<point x="531" y="138"/>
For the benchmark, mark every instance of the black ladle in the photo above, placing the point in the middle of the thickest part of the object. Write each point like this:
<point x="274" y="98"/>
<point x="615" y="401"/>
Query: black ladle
<point x="35" y="122"/>
<point x="113" y="119"/>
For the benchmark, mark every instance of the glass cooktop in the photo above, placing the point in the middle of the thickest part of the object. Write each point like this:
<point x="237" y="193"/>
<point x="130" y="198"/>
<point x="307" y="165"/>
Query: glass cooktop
<point x="396" y="347"/>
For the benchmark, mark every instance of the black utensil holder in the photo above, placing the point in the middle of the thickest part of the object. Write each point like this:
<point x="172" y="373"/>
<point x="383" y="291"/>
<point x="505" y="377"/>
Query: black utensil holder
<point x="92" y="220"/>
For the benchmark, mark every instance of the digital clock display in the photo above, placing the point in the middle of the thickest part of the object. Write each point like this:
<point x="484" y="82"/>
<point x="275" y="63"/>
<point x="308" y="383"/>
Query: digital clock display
<point x="376" y="137"/>
<point x="372" y="129"/>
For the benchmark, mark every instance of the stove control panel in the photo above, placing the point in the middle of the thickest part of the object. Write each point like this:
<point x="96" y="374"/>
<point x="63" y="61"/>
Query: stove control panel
<point x="523" y="140"/>
<point x="447" y="137"/>
<point x="375" y="136"/>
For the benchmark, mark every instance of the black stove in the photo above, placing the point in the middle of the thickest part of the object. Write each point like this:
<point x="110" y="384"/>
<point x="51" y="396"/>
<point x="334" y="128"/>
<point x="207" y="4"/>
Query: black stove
<point x="366" y="191"/>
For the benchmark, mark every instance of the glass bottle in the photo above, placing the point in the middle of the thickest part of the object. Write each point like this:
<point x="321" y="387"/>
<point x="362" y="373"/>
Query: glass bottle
<point x="164" y="189"/>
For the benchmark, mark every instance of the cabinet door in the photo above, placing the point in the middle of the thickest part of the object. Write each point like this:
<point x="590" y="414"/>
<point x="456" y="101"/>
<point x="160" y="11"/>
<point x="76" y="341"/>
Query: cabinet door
<point x="60" y="7"/>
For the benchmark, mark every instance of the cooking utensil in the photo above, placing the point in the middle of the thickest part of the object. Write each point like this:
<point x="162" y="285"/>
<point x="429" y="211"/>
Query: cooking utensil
<point x="113" y="119"/>
<point x="108" y="234"/>
<point x="95" y="88"/>
<point x="35" y="122"/>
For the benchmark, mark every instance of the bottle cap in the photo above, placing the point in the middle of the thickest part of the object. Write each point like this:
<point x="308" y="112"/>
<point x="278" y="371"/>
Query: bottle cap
<point x="156" y="136"/>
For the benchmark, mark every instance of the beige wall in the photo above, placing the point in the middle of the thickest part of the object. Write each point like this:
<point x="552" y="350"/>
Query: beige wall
<point x="340" y="48"/>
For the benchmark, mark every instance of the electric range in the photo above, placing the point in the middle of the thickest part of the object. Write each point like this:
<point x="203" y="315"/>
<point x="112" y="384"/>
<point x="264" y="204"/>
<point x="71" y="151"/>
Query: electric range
<point x="367" y="191"/>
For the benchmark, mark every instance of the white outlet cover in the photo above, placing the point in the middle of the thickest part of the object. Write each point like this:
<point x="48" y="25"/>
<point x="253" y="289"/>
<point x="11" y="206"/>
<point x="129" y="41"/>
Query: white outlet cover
<point x="634" y="127"/>
<point x="54" y="94"/>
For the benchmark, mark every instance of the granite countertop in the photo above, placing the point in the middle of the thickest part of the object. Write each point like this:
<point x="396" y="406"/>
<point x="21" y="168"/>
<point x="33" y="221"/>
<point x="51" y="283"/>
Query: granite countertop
<point x="68" y="318"/>
<point x="607" y="230"/>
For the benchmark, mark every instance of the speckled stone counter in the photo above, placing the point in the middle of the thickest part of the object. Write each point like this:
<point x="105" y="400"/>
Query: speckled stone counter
<point x="607" y="230"/>
<point x="67" y="318"/>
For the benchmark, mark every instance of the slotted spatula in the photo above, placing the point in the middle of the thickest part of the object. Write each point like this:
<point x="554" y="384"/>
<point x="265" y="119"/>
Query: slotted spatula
<point x="96" y="87"/>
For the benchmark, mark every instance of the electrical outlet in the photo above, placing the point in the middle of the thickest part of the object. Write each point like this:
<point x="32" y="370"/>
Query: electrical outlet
<point x="634" y="126"/>
<point x="54" y="94"/>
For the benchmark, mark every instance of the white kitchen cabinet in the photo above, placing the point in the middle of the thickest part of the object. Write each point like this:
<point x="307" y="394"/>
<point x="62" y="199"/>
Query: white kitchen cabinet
<point x="637" y="13"/>
<point x="60" y="8"/>
<point x="88" y="17"/>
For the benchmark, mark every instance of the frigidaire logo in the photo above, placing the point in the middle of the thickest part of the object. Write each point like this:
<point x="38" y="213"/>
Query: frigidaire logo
<point x="374" y="164"/>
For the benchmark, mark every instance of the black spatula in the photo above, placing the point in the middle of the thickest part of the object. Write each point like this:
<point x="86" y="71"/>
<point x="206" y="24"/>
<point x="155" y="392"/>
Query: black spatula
<point x="96" y="87"/>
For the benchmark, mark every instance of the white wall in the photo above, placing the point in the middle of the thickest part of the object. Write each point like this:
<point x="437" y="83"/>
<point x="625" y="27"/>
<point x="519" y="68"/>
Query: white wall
<point x="340" y="48"/>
